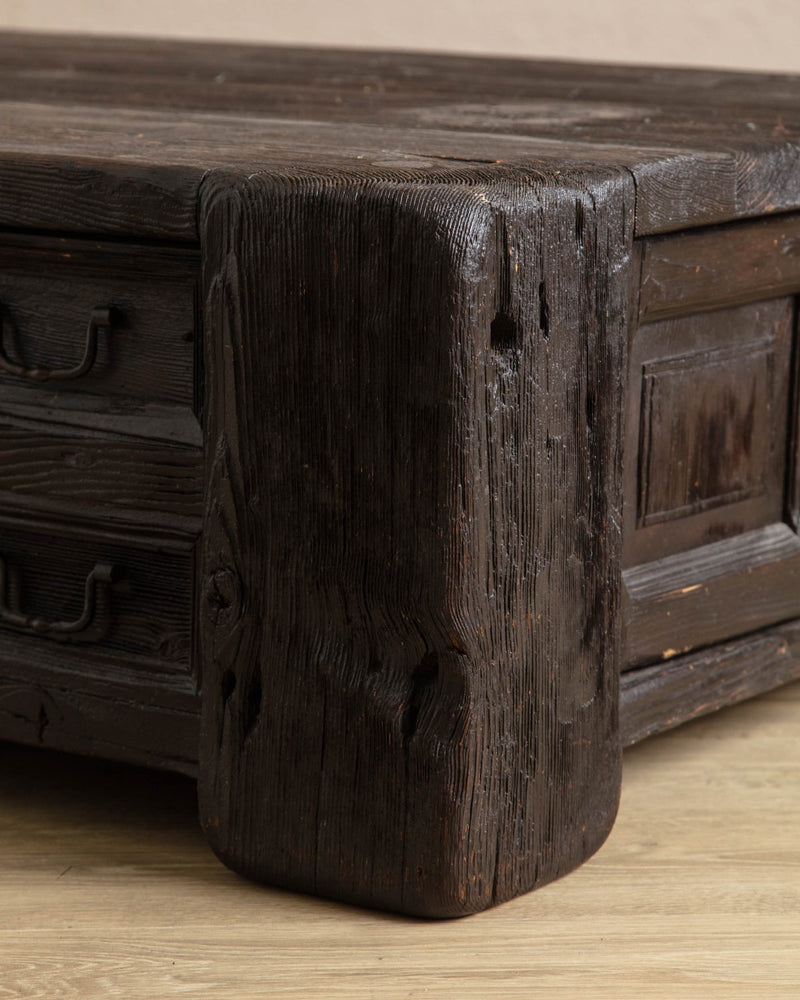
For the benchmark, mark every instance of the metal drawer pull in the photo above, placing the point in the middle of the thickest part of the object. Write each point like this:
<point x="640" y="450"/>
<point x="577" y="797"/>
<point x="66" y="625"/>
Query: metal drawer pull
<point x="94" y="619"/>
<point x="102" y="317"/>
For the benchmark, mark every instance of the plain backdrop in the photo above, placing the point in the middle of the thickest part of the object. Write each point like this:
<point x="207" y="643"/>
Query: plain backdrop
<point x="749" y="34"/>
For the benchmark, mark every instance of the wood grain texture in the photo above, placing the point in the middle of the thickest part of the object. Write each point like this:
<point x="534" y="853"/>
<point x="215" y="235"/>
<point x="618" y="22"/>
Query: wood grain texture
<point x="127" y="725"/>
<point x="654" y="699"/>
<point x="708" y="413"/>
<point x="397" y="626"/>
<point x="152" y="613"/>
<point x="255" y="77"/>
<point x="713" y="187"/>
<point x="712" y="593"/>
<point x="107" y="474"/>
<point x="418" y="278"/>
<point x="93" y="194"/>
<point x="131" y="692"/>
<point x="125" y="417"/>
<point x="48" y="289"/>
<point x="183" y="108"/>
<point x="719" y="266"/>
<point x="108" y="889"/>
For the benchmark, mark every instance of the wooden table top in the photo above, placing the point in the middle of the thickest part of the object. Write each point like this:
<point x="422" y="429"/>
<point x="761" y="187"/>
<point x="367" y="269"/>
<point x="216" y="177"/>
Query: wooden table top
<point x="703" y="146"/>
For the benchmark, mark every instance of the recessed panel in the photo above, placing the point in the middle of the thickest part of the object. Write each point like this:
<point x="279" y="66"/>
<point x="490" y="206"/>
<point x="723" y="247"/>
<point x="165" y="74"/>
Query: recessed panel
<point x="708" y="412"/>
<point x="706" y="418"/>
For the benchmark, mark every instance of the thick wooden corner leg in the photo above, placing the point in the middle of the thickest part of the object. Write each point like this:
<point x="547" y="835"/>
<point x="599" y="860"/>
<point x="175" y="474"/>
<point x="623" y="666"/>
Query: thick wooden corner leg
<point x="410" y="573"/>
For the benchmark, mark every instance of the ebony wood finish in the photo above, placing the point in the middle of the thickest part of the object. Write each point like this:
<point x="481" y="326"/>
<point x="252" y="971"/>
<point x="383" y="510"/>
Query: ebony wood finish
<point x="663" y="696"/>
<point x="708" y="420"/>
<point x="719" y="266"/>
<point x="400" y="614"/>
<point x="48" y="289"/>
<point x="713" y="592"/>
<point x="370" y="416"/>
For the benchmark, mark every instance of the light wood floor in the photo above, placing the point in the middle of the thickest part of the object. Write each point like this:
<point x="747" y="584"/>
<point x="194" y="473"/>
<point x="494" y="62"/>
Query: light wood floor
<point x="108" y="890"/>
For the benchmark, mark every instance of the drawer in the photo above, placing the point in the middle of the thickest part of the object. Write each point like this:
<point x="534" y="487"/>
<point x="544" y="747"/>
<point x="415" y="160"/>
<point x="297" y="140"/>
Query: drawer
<point x="711" y="551"/>
<point x="110" y="320"/>
<point x="95" y="603"/>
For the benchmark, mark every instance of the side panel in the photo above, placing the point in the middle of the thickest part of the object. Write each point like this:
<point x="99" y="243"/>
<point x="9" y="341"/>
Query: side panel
<point x="410" y="617"/>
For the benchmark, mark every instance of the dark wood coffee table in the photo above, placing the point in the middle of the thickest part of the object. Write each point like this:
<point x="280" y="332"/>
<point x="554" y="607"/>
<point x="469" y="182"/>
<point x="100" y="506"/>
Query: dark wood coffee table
<point x="388" y="439"/>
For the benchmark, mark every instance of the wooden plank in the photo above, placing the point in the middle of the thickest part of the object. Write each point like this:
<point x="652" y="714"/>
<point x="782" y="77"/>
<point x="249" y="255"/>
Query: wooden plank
<point x="654" y="699"/>
<point x="317" y="81"/>
<point x="124" y="417"/>
<point x="387" y="573"/>
<point x="74" y="193"/>
<point x="718" y="267"/>
<point x="100" y="472"/>
<point x="159" y="537"/>
<point x="135" y="172"/>
<point x="711" y="593"/>
<point x="154" y="141"/>
<point x="121" y="728"/>
<point x="175" y="265"/>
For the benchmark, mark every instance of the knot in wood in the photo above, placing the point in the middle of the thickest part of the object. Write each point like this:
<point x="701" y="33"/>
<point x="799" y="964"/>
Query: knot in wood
<point x="222" y="595"/>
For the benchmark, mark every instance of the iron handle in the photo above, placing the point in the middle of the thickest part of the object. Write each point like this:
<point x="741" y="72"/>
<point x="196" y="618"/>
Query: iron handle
<point x="93" y="622"/>
<point x="101" y="317"/>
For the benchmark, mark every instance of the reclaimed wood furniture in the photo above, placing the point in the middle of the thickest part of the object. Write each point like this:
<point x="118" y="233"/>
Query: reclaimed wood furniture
<point x="388" y="439"/>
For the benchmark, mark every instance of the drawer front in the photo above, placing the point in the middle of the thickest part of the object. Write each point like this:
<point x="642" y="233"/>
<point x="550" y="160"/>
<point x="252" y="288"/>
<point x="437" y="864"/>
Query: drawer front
<point x="103" y="319"/>
<point x="96" y="603"/>
<point x="708" y="555"/>
<point x="711" y="545"/>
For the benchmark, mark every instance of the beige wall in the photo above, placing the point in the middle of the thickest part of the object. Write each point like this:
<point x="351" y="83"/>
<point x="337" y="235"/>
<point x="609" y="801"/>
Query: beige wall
<point x="742" y="33"/>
